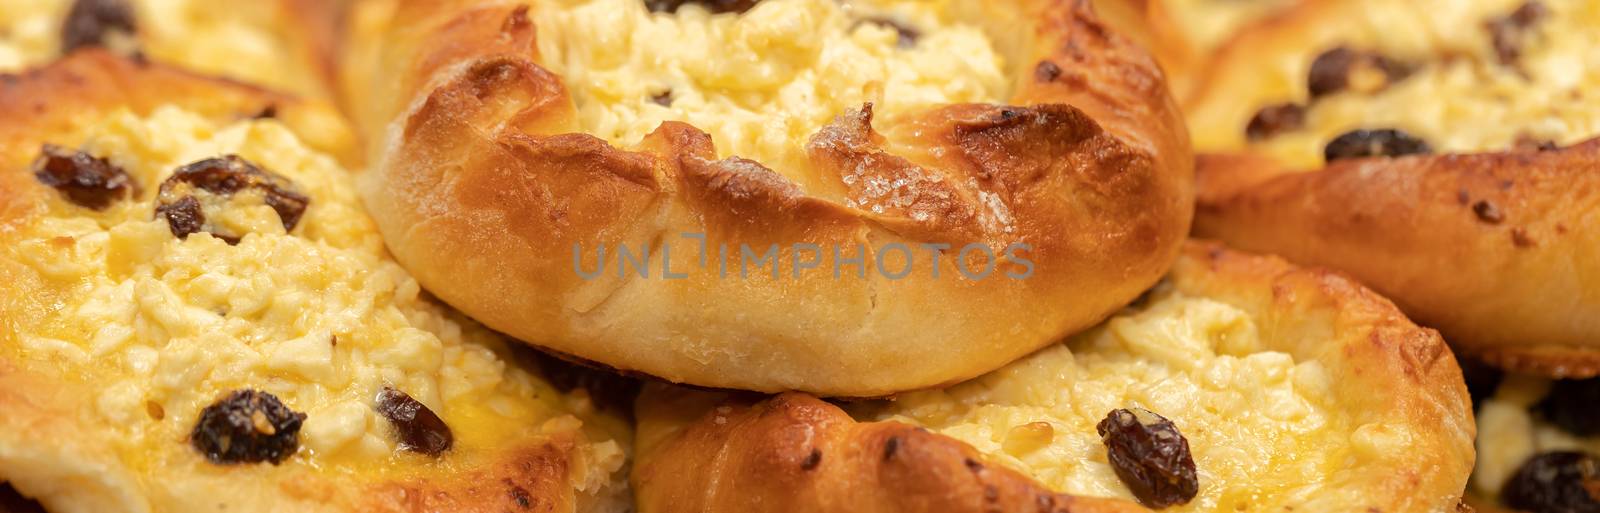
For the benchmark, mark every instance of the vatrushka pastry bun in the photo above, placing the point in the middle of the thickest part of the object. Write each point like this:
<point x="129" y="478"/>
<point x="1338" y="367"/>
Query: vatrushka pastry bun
<point x="199" y="317"/>
<point x="855" y="197"/>
<point x="1240" y="384"/>
<point x="1439" y="151"/>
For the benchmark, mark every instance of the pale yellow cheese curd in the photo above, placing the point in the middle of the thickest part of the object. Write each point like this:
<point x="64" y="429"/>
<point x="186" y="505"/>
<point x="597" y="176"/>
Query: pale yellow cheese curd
<point x="240" y="40"/>
<point x="1259" y="424"/>
<point x="1460" y="98"/>
<point x="320" y="318"/>
<point x="1207" y="23"/>
<point x="1508" y="435"/>
<point x="762" y="82"/>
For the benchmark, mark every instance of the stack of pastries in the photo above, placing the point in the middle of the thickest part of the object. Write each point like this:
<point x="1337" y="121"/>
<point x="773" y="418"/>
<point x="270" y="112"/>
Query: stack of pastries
<point x="1065" y="256"/>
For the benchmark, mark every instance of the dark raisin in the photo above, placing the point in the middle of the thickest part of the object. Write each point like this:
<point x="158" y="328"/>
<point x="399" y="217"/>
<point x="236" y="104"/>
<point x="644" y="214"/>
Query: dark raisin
<point x="1526" y="142"/>
<point x="419" y="429"/>
<point x="1275" y="119"/>
<point x="812" y="460"/>
<point x="1374" y="143"/>
<point x="1343" y="68"/>
<point x="1555" y="482"/>
<point x="268" y="112"/>
<point x="209" y="184"/>
<point x="1488" y="212"/>
<point x="663" y="98"/>
<point x="1509" y="32"/>
<point x="607" y="388"/>
<point x="86" y="180"/>
<point x="1150" y="456"/>
<point x="13" y="502"/>
<point x="247" y="426"/>
<point x="1482" y="379"/>
<point x="1574" y="405"/>
<point x="906" y="36"/>
<point x="92" y="23"/>
<point x="715" y="6"/>
<point x="183" y="216"/>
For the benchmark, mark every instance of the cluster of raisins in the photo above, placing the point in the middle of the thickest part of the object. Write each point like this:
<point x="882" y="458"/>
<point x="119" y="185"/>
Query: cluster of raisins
<point x="209" y="184"/>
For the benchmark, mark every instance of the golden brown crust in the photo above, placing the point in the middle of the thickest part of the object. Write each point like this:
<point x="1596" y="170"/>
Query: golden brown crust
<point x="710" y="452"/>
<point x="1494" y="250"/>
<point x="49" y="445"/>
<point x="482" y="189"/>
<point x="797" y="453"/>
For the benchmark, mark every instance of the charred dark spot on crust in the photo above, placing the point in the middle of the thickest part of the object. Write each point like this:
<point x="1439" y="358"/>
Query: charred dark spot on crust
<point x="972" y="465"/>
<point x="890" y="447"/>
<point x="1343" y="68"/>
<point x="517" y="20"/>
<point x="1521" y="239"/>
<point x="418" y="427"/>
<point x="93" y="22"/>
<point x="1364" y="143"/>
<point x="86" y="180"/>
<point x="1509" y="32"/>
<point x="1150" y="456"/>
<point x="185" y="196"/>
<point x="1526" y="142"/>
<point x="1046" y="71"/>
<point x="1555" y="482"/>
<point x="1571" y="404"/>
<point x="1488" y="212"/>
<point x="247" y="426"/>
<point x="812" y="460"/>
<point x="663" y="98"/>
<point x="715" y="6"/>
<point x="518" y="494"/>
<point x="906" y="35"/>
<point x="1275" y="119"/>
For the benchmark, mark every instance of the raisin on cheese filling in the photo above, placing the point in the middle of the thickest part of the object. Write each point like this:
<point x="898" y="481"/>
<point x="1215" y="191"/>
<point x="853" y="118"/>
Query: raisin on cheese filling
<point x="1539" y="445"/>
<point x="1482" y="76"/>
<point x="761" y="82"/>
<point x="243" y="40"/>
<point x="234" y="306"/>
<point x="1259" y="424"/>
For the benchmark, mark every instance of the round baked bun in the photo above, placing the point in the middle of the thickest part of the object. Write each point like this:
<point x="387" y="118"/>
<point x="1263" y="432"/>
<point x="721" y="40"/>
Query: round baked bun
<point x="282" y="44"/>
<point x="1292" y="390"/>
<point x="1439" y="151"/>
<point x="856" y="198"/>
<point x="199" y="317"/>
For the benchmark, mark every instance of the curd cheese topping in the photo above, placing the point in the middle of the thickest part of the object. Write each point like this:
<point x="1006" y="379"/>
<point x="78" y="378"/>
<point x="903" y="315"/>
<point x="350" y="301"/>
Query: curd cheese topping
<point x="1259" y="424"/>
<point x="319" y="317"/>
<point x="241" y="40"/>
<point x="1479" y="76"/>
<point x="762" y="82"/>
